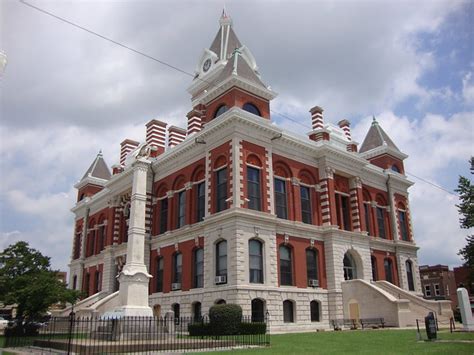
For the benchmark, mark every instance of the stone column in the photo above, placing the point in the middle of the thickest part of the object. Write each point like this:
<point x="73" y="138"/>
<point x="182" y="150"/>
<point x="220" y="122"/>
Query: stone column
<point x="134" y="278"/>
<point x="356" y="204"/>
<point x="392" y="211"/>
<point x="465" y="309"/>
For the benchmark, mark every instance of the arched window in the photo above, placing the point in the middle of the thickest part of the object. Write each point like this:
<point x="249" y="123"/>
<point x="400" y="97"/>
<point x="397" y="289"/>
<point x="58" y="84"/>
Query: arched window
<point x="197" y="315"/>
<point x="221" y="109"/>
<point x="373" y="260"/>
<point x="281" y="208"/>
<point x="253" y="188"/>
<point x="388" y="266"/>
<point x="350" y="271"/>
<point x="286" y="267"/>
<point x="198" y="268"/>
<point x="163" y="215"/>
<point x="305" y="195"/>
<point x="381" y="222"/>
<point x="288" y="312"/>
<point x="255" y="261"/>
<point x="395" y="168"/>
<point x="411" y="283"/>
<point x="97" y="281"/>
<point x="159" y="274"/>
<point x="181" y="209"/>
<point x="312" y="267"/>
<point x="177" y="271"/>
<point x="74" y="282"/>
<point x="251" y="108"/>
<point x="221" y="262"/>
<point x="87" y="281"/>
<point x="315" y="312"/>
<point x="221" y="189"/>
<point x="402" y="219"/>
<point x="201" y="201"/>
<point x="258" y="310"/>
<point x="176" y="310"/>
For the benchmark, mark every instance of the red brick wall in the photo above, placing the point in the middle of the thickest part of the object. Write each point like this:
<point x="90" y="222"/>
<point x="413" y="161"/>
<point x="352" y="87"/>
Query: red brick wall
<point x="186" y="248"/>
<point x="298" y="247"/>
<point x="236" y="97"/>
<point x="92" y="272"/>
<point x="288" y="168"/>
<point x="380" y="256"/>
<point x="88" y="191"/>
<point x="386" y="161"/>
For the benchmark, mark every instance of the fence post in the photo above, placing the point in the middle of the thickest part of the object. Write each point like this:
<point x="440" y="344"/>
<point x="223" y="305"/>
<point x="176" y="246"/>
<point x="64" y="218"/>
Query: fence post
<point x="71" y="326"/>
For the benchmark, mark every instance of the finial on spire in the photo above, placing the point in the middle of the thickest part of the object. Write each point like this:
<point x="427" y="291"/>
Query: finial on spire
<point x="225" y="19"/>
<point x="100" y="153"/>
<point x="374" y="121"/>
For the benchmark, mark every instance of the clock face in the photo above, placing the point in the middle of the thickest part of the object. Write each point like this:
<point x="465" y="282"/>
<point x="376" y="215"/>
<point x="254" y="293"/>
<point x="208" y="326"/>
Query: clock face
<point x="207" y="65"/>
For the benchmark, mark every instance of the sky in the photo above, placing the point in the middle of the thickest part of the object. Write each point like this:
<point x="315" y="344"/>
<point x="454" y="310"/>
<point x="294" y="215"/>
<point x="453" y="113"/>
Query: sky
<point x="66" y="94"/>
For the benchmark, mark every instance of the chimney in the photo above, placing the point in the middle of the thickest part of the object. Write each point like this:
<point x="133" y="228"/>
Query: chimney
<point x="194" y="121"/>
<point x="155" y="136"/>
<point x="175" y="136"/>
<point x="126" y="147"/>
<point x="319" y="132"/>
<point x="345" y="125"/>
<point x="317" y="118"/>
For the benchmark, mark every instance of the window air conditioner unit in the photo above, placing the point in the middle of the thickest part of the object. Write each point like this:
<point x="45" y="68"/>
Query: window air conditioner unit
<point x="221" y="279"/>
<point x="175" y="286"/>
<point x="313" y="283"/>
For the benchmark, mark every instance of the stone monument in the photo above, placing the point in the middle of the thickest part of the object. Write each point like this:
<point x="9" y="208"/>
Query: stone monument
<point x="134" y="278"/>
<point x="465" y="309"/>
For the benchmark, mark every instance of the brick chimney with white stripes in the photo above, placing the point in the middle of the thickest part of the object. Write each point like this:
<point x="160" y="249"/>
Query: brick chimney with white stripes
<point x="175" y="136"/>
<point x="317" y="124"/>
<point x="126" y="147"/>
<point x="156" y="136"/>
<point x="194" y="119"/>
<point x="345" y="125"/>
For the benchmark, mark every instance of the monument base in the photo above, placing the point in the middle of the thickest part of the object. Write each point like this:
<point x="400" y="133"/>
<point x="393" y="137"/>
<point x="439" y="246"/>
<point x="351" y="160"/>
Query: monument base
<point x="134" y="311"/>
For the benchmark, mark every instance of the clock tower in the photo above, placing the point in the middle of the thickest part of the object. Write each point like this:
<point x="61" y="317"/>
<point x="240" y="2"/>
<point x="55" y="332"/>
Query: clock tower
<point x="227" y="76"/>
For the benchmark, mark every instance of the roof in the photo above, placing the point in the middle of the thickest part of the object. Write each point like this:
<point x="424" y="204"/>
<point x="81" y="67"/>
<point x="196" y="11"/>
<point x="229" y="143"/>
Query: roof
<point x="231" y="40"/>
<point x="376" y="137"/>
<point x="237" y="65"/>
<point x="98" y="169"/>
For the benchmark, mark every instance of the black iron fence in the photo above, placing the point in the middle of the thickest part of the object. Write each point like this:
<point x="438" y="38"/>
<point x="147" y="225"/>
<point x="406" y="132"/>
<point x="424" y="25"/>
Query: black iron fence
<point x="132" y="335"/>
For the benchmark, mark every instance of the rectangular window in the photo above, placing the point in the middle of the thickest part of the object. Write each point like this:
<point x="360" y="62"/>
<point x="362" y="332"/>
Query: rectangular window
<point x="221" y="190"/>
<point x="201" y="200"/>
<point x="403" y="225"/>
<point x="367" y="217"/>
<point x="381" y="222"/>
<point x="181" y="209"/>
<point x="280" y="198"/>
<point x="198" y="268"/>
<point x="97" y="282"/>
<point x="305" y="194"/>
<point x="253" y="189"/>
<point x="436" y="290"/>
<point x="427" y="291"/>
<point x="164" y="215"/>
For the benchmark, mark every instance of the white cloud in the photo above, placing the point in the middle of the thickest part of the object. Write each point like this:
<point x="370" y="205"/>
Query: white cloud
<point x="468" y="88"/>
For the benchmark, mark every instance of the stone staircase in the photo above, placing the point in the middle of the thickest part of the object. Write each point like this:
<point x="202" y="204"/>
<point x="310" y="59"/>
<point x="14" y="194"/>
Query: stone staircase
<point x="418" y="305"/>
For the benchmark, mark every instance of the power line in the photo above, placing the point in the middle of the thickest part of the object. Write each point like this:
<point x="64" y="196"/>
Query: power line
<point x="432" y="184"/>
<point x="184" y="72"/>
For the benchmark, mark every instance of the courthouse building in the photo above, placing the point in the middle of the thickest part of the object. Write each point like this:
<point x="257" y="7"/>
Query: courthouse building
<point x="241" y="211"/>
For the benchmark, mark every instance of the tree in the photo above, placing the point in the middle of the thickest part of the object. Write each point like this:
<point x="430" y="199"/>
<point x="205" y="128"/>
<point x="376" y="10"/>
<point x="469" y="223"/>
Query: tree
<point x="27" y="280"/>
<point x="466" y="210"/>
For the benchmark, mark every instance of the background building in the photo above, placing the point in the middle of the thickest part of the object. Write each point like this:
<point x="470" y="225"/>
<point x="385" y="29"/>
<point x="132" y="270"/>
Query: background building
<point x="438" y="283"/>
<point x="239" y="210"/>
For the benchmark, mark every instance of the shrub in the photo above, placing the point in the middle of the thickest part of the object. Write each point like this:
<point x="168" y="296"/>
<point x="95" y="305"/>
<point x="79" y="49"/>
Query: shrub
<point x="199" y="329"/>
<point x="252" y="328"/>
<point x="225" y="318"/>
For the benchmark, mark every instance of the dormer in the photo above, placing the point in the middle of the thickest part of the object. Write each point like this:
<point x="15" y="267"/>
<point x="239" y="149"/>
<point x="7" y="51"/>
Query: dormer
<point x="94" y="179"/>
<point x="380" y="150"/>
<point x="227" y="76"/>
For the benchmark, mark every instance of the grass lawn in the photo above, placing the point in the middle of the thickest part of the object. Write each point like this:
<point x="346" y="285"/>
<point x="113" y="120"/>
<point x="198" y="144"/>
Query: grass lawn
<point x="363" y="342"/>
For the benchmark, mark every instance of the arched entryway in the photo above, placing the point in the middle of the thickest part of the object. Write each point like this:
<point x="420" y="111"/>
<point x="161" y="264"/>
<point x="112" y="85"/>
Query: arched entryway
<point x="157" y="310"/>
<point x="176" y="310"/>
<point x="258" y="310"/>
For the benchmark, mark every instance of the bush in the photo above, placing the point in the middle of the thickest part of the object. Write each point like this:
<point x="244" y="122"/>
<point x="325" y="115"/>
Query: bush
<point x="199" y="329"/>
<point x="225" y="318"/>
<point x="252" y="328"/>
